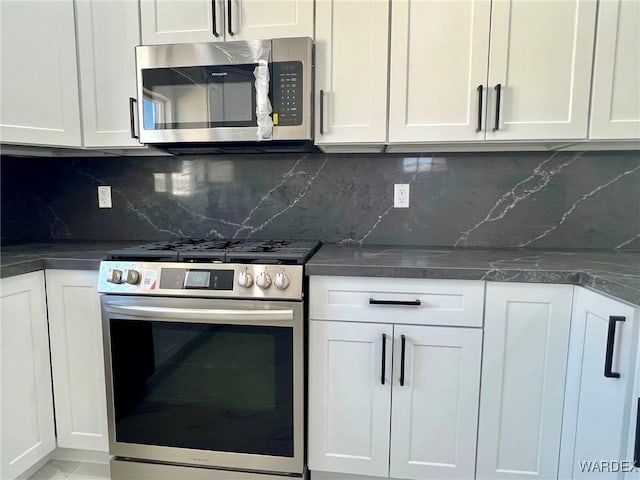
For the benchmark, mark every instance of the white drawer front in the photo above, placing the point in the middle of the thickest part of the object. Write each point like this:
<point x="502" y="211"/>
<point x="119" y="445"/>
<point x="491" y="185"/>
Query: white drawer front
<point x="397" y="300"/>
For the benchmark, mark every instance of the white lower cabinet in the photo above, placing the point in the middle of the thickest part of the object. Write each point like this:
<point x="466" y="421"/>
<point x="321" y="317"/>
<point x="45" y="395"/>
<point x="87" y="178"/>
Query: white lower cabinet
<point x="26" y="405"/>
<point x="391" y="399"/>
<point x="600" y="406"/>
<point x="77" y="359"/>
<point x="523" y="376"/>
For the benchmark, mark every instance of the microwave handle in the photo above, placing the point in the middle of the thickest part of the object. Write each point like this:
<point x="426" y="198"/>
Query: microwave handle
<point x="132" y="116"/>
<point x="202" y="315"/>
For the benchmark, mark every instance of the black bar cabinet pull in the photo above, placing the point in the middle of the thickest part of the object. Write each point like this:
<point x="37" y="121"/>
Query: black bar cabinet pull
<point x="416" y="303"/>
<point x="611" y="338"/>
<point x="636" y="450"/>
<point x="229" y="28"/>
<point x="214" y="19"/>
<point x="321" y="112"/>
<point x="404" y="345"/>
<point x="132" y="112"/>
<point x="479" y="128"/>
<point x="384" y="356"/>
<point x="498" y="91"/>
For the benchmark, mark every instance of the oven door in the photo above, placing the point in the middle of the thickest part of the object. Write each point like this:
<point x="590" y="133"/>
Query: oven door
<point x="207" y="382"/>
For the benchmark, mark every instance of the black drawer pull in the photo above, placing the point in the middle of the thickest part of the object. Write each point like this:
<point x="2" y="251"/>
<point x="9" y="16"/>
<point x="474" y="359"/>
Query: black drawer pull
<point x="479" y="127"/>
<point x="229" y="19"/>
<point x="611" y="338"/>
<point x="214" y="20"/>
<point x="403" y="350"/>
<point x="636" y="450"/>
<point x="405" y="303"/>
<point x="384" y="357"/>
<point x="498" y="90"/>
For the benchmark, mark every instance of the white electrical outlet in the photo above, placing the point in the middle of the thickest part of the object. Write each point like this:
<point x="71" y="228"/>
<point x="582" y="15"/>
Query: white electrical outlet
<point x="104" y="196"/>
<point x="401" y="195"/>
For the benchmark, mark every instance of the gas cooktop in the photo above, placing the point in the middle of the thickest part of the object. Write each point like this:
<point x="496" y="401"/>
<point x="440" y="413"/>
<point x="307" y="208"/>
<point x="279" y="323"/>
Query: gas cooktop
<point x="207" y="250"/>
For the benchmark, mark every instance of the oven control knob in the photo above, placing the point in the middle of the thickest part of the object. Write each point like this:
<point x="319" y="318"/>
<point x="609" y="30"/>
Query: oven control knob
<point x="281" y="281"/>
<point x="245" y="279"/>
<point x="114" y="276"/>
<point x="131" y="277"/>
<point x="263" y="280"/>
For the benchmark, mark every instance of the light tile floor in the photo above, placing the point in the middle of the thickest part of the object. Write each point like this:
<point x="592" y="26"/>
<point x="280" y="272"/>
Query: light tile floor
<point x="65" y="470"/>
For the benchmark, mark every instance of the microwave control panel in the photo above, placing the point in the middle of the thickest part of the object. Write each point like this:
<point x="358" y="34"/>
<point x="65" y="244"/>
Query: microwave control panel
<point x="287" y="93"/>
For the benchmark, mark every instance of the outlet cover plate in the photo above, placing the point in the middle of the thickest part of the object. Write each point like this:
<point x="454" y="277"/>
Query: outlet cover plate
<point x="401" y="195"/>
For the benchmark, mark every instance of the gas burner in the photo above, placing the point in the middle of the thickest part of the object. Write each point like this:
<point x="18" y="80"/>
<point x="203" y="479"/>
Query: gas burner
<point x="207" y="250"/>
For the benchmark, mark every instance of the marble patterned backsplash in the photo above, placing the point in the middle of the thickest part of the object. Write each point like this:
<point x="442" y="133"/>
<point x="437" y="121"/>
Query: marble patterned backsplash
<point x="535" y="200"/>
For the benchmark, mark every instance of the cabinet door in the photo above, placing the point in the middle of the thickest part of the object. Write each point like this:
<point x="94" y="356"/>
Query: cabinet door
<point x="77" y="359"/>
<point x="260" y="19"/>
<point x="351" y="71"/>
<point x="26" y="405"/>
<point x="439" y="51"/>
<point x="598" y="408"/>
<point x="38" y="73"/>
<point x="107" y="35"/>
<point x="181" y="21"/>
<point x="434" y="415"/>
<point x="526" y="339"/>
<point x="349" y="406"/>
<point x="541" y="56"/>
<point x="615" y="108"/>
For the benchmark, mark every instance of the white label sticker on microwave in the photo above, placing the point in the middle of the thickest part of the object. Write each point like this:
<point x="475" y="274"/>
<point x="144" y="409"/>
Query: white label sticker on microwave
<point x="150" y="279"/>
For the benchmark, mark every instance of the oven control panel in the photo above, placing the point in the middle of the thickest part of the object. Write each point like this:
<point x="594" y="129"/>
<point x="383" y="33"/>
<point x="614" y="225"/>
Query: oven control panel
<point x="224" y="280"/>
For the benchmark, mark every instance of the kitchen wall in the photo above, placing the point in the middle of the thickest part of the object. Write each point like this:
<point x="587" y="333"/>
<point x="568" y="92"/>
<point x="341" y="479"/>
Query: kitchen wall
<point x="538" y="200"/>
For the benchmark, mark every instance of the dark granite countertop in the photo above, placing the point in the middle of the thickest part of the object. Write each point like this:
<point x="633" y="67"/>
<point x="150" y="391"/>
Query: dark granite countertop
<point x="613" y="273"/>
<point x="31" y="257"/>
<point x="610" y="272"/>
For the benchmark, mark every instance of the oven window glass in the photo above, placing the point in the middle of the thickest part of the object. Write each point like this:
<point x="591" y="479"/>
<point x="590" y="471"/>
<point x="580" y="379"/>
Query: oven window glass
<point x="199" y="97"/>
<point x="212" y="387"/>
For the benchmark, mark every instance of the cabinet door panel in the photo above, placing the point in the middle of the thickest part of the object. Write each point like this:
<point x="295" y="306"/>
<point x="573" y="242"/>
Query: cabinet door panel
<point x="77" y="359"/>
<point x="349" y="407"/>
<point x="26" y="404"/>
<point x="523" y="374"/>
<point x="615" y="111"/>
<point x="180" y="21"/>
<point x="260" y="19"/>
<point x="39" y="85"/>
<point x="439" y="53"/>
<point x="107" y="35"/>
<point x="597" y="408"/>
<point x="435" y="413"/>
<point x="541" y="54"/>
<point x="351" y="70"/>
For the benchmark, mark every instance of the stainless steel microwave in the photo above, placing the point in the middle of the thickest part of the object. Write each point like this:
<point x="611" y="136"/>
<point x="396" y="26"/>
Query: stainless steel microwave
<point x="229" y="92"/>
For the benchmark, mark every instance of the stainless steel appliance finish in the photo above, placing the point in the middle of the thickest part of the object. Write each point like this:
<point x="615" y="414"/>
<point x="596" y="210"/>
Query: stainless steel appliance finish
<point x="241" y="281"/>
<point x="180" y="102"/>
<point x="127" y="470"/>
<point x="211" y="312"/>
<point x="204" y="358"/>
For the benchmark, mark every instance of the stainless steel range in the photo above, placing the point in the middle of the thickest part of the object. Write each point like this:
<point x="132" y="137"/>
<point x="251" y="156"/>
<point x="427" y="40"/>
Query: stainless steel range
<point x="204" y="358"/>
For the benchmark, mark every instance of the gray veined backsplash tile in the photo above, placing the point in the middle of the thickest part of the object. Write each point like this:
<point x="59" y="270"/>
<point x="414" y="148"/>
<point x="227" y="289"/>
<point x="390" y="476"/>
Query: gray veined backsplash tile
<point x="536" y="200"/>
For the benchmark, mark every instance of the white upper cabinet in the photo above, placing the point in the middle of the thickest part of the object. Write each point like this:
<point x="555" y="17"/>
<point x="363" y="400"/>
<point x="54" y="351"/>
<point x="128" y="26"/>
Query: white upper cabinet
<point x="107" y="35"/>
<point x="503" y="70"/>
<point x="523" y="374"/>
<point x="181" y="21"/>
<point x="615" y="108"/>
<point x="599" y="406"/>
<point x="351" y="51"/>
<point x="438" y="60"/>
<point x="541" y="57"/>
<point x="39" y="81"/>
<point x="263" y="19"/>
<point x="187" y="21"/>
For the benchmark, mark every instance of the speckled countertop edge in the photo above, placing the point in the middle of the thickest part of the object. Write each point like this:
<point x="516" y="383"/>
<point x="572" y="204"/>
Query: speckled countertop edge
<point x="614" y="273"/>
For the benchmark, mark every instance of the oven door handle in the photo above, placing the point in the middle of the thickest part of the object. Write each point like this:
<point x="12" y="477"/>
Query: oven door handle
<point x="203" y="315"/>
